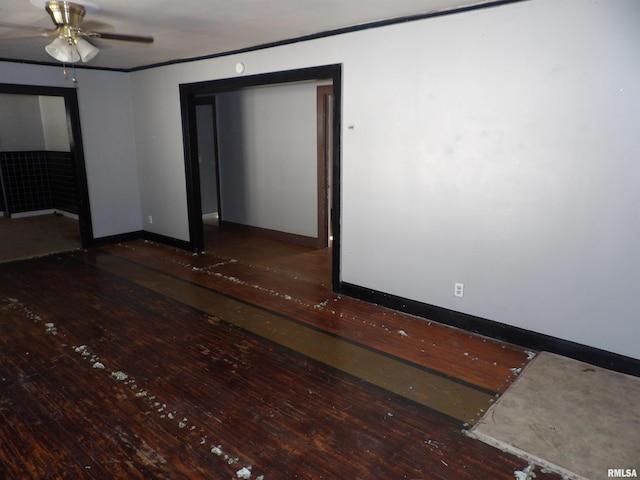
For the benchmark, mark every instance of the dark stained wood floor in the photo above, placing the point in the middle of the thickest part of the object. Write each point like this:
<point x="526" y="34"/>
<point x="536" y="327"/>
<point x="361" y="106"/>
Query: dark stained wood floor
<point x="142" y="361"/>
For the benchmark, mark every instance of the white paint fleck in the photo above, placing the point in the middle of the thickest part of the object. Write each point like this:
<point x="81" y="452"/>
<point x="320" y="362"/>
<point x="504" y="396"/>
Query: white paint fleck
<point x="217" y="450"/>
<point x="321" y="305"/>
<point x="515" y="371"/>
<point x="403" y="333"/>
<point x="50" y="328"/>
<point x="244" y="472"/>
<point x="119" y="376"/>
<point x="98" y="365"/>
<point x="530" y="355"/>
<point x="434" y="443"/>
<point x="526" y="474"/>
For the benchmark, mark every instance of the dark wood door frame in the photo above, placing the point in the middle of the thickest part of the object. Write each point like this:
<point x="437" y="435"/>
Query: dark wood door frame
<point x="70" y="96"/>
<point x="324" y="93"/>
<point x="189" y="97"/>
<point x="211" y="100"/>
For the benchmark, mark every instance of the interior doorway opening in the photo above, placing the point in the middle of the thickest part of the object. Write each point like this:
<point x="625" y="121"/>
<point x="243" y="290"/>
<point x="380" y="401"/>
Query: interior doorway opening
<point x="254" y="94"/>
<point x="43" y="187"/>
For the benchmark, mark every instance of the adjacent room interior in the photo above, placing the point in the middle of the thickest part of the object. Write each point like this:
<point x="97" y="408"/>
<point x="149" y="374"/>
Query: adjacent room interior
<point x="38" y="197"/>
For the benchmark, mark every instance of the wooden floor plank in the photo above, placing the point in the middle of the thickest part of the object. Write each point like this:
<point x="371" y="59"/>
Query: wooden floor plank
<point x="472" y="358"/>
<point x="41" y="417"/>
<point x="202" y="397"/>
<point x="444" y="395"/>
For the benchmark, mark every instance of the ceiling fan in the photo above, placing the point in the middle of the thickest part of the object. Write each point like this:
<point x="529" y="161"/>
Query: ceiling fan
<point x="70" y="33"/>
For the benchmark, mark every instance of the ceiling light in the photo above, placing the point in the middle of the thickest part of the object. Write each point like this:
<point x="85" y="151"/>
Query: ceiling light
<point x="86" y="50"/>
<point x="71" y="50"/>
<point x="63" y="51"/>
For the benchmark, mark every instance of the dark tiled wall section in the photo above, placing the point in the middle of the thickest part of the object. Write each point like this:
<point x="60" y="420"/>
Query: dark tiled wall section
<point x="38" y="181"/>
<point x="25" y="180"/>
<point x="62" y="181"/>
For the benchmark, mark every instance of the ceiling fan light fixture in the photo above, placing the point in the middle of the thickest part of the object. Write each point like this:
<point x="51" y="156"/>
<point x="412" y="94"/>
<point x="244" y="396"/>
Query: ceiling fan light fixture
<point x="61" y="50"/>
<point x="71" y="50"/>
<point x="69" y="43"/>
<point x="86" y="50"/>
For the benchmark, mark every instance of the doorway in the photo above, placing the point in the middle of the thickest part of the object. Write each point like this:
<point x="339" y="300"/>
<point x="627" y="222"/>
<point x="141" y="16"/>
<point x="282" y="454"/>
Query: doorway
<point x="192" y="95"/>
<point x="53" y="170"/>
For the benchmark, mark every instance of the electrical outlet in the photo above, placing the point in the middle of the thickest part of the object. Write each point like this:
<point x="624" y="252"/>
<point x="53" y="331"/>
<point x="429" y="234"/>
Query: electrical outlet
<point x="150" y="219"/>
<point x="458" y="289"/>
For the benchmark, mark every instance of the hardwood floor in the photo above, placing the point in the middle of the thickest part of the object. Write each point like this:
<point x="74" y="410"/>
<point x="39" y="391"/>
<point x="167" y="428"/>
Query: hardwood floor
<point x="28" y="237"/>
<point x="142" y="361"/>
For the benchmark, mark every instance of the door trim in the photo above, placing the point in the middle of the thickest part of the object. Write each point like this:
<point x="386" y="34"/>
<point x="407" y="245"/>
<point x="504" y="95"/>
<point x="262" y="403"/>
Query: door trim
<point x="323" y="91"/>
<point x="212" y="102"/>
<point x="189" y="94"/>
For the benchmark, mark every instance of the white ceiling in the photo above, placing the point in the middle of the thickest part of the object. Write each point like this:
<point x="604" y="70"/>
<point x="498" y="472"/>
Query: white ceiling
<point x="195" y="28"/>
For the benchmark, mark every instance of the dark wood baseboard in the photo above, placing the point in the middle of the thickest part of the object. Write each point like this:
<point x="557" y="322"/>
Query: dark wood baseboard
<point x="490" y="328"/>
<point x="274" y="234"/>
<point x="113" y="239"/>
<point x="170" y="241"/>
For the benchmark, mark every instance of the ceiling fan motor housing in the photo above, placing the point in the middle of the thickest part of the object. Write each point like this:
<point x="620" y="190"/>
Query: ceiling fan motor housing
<point x="66" y="13"/>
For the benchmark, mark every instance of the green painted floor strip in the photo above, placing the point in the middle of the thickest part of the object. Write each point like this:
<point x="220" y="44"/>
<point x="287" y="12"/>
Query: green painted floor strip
<point x="453" y="399"/>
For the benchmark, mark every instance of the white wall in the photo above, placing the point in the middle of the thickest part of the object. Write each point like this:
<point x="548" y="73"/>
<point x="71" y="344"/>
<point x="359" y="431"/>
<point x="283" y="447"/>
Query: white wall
<point x="109" y="147"/>
<point x="32" y="122"/>
<point x="268" y="157"/>
<point x="496" y="148"/>
<point x="110" y="152"/>
<point x="54" y="124"/>
<point x="506" y="159"/>
<point x="20" y="124"/>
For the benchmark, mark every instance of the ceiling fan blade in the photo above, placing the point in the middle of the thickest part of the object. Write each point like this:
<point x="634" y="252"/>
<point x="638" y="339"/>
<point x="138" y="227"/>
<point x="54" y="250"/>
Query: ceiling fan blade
<point x="120" y="36"/>
<point x="96" y="26"/>
<point x="25" y="36"/>
<point x="43" y="31"/>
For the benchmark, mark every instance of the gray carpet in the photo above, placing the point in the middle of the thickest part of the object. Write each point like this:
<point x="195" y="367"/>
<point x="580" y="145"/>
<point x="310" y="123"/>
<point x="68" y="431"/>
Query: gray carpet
<point x="569" y="417"/>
